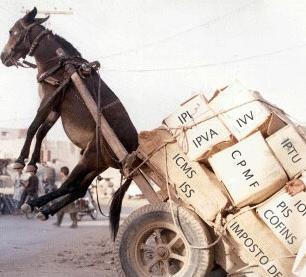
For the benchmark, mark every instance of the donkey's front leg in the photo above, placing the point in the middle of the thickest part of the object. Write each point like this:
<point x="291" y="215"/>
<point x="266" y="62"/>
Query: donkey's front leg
<point x="44" y="110"/>
<point x="24" y="154"/>
<point x="41" y="133"/>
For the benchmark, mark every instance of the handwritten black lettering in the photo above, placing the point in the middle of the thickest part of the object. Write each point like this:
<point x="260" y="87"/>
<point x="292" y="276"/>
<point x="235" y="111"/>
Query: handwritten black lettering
<point x="245" y="118"/>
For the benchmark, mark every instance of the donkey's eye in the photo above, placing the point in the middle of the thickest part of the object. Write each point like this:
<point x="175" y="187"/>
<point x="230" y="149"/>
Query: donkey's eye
<point x="10" y="32"/>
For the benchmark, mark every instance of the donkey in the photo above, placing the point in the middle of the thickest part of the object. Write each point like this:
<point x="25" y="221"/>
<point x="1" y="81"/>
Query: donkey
<point x="29" y="37"/>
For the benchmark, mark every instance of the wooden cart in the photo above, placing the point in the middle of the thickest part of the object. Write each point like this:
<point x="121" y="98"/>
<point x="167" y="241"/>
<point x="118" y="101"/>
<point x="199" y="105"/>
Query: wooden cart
<point x="149" y="243"/>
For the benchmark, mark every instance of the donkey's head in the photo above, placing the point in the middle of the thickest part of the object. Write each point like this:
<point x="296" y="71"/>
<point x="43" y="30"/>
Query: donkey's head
<point x="21" y="36"/>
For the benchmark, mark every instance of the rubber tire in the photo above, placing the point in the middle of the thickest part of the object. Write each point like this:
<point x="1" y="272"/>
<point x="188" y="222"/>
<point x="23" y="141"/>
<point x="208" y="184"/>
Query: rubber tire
<point x="194" y="229"/>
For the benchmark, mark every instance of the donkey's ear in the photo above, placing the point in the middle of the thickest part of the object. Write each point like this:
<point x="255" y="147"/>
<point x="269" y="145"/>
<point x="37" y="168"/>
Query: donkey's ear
<point x="41" y="20"/>
<point x="30" y="16"/>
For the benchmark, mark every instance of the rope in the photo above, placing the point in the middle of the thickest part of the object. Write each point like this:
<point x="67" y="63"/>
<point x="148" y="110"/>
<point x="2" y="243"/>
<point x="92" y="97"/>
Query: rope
<point x="180" y="132"/>
<point x="220" y="230"/>
<point x="241" y="270"/>
<point x="178" y="226"/>
<point x="98" y="132"/>
<point x="223" y="228"/>
<point x="98" y="202"/>
<point x="238" y="271"/>
<point x="148" y="158"/>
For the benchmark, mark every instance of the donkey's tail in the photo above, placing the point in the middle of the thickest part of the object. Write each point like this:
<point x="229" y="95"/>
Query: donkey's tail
<point x="115" y="207"/>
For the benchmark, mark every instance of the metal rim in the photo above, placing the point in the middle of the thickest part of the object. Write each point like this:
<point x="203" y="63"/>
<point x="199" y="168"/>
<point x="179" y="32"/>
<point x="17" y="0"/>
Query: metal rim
<point x="161" y="251"/>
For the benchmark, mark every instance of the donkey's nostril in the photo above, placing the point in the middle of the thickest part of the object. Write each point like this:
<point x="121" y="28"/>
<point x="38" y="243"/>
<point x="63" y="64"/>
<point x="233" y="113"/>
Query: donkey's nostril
<point x="5" y="59"/>
<point x="2" y="56"/>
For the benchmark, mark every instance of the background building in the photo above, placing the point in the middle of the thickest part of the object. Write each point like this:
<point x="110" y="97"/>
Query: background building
<point x="12" y="140"/>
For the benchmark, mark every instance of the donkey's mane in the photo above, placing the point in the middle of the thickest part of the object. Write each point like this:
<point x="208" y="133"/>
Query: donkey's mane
<point x="68" y="46"/>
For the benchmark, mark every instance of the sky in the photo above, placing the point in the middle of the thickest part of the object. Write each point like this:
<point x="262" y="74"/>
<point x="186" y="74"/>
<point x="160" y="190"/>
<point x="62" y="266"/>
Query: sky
<point x="155" y="53"/>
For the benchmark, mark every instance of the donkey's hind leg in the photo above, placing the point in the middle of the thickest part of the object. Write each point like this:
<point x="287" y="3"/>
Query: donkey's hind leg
<point x="85" y="166"/>
<point x="67" y="187"/>
<point x="41" y="133"/>
<point x="78" y="192"/>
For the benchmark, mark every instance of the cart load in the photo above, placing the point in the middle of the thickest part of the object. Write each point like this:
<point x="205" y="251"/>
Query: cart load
<point x="228" y="159"/>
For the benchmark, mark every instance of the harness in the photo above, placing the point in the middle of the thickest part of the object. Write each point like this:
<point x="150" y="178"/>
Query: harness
<point x="83" y="68"/>
<point x="25" y="39"/>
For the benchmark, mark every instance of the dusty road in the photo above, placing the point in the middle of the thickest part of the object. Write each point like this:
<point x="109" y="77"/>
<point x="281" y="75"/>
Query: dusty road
<point x="35" y="248"/>
<point x="32" y="247"/>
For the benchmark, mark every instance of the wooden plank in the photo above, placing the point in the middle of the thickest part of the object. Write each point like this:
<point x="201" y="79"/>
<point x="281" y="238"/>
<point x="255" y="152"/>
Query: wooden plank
<point x="111" y="138"/>
<point x="146" y="189"/>
<point x="158" y="179"/>
<point x="107" y="132"/>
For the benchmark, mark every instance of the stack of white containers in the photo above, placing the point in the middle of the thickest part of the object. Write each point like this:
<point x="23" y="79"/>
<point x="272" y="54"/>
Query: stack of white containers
<point x="253" y="149"/>
<point x="204" y="133"/>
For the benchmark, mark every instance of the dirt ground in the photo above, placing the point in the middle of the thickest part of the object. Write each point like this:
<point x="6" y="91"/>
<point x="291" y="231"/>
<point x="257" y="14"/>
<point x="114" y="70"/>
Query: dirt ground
<point x="35" y="248"/>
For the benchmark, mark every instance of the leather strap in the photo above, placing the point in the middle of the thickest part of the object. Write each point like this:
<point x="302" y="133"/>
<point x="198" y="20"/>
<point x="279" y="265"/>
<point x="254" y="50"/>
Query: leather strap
<point x="36" y="41"/>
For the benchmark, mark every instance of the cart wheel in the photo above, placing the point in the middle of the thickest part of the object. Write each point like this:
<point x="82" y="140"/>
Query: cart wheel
<point x="149" y="244"/>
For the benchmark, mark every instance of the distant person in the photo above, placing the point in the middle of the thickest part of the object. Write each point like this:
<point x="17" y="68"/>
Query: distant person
<point x="3" y="166"/>
<point x="49" y="177"/>
<point x="31" y="188"/>
<point x="108" y="187"/>
<point x="19" y="186"/>
<point x="70" y="208"/>
<point x="40" y="176"/>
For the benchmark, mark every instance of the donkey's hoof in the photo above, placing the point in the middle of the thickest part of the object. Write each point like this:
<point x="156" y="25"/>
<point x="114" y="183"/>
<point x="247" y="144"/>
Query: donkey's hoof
<point x="26" y="208"/>
<point x="31" y="168"/>
<point x="41" y="216"/>
<point x="18" y="165"/>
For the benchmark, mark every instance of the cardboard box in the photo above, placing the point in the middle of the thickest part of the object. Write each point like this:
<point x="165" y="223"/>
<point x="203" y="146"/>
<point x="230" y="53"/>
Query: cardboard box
<point x="299" y="267"/>
<point x="249" y="171"/>
<point x="242" y="113"/>
<point x="194" y="183"/>
<point x="259" y="246"/>
<point x="191" y="111"/>
<point x="290" y="149"/>
<point x="208" y="134"/>
<point x="286" y="217"/>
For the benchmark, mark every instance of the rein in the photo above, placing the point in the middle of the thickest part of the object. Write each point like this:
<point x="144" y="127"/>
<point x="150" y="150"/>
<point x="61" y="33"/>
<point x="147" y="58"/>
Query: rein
<point x="36" y="41"/>
<point x="24" y="38"/>
<point x="83" y="68"/>
<point x="98" y="141"/>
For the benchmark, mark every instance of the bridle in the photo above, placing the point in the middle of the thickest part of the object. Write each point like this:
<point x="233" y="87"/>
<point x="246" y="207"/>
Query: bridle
<point x="24" y="38"/>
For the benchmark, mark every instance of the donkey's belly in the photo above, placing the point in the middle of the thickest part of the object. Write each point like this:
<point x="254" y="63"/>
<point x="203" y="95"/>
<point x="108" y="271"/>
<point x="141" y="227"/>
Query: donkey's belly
<point x="78" y="123"/>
